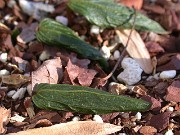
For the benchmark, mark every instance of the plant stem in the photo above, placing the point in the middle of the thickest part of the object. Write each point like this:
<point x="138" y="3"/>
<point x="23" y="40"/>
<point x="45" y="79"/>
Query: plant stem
<point x="124" y="50"/>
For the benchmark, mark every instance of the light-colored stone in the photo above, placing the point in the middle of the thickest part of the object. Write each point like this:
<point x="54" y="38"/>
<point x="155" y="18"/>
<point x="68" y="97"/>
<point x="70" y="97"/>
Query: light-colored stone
<point x="4" y="72"/>
<point x="129" y="63"/>
<point x="169" y="74"/>
<point x="11" y="93"/>
<point x="132" y="71"/>
<point x="116" y="54"/>
<point x="22" y="93"/>
<point x="19" y="94"/>
<point x="171" y="109"/>
<point x="62" y="20"/>
<point x="169" y="132"/>
<point x="138" y="115"/>
<point x="97" y="118"/>
<point x="44" y="55"/>
<point x="105" y="51"/>
<point x="3" y="57"/>
<point x="76" y="118"/>
<point x="95" y="29"/>
<point x="17" y="118"/>
<point x="29" y="89"/>
<point x="130" y="76"/>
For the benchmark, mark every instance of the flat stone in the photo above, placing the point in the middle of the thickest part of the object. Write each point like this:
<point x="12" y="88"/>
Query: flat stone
<point x="173" y="92"/>
<point x="160" y="121"/>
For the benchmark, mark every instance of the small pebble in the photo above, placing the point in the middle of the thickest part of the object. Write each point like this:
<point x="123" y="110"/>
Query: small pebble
<point x="22" y="93"/>
<point x="62" y="20"/>
<point x="116" y="55"/>
<point x="138" y="115"/>
<point x="97" y="118"/>
<point x="130" y="76"/>
<point x="4" y="72"/>
<point x="105" y="51"/>
<point x="132" y="71"/>
<point x="11" y="3"/>
<point x="3" y="57"/>
<point x="11" y="93"/>
<point x="44" y="55"/>
<point x="169" y="132"/>
<point x="169" y="74"/>
<point x="19" y="94"/>
<point x="171" y="109"/>
<point x="29" y="89"/>
<point x="17" y="118"/>
<point x="156" y="76"/>
<point x="76" y="118"/>
<point x="122" y="134"/>
<point x="95" y="29"/>
<point x="129" y="63"/>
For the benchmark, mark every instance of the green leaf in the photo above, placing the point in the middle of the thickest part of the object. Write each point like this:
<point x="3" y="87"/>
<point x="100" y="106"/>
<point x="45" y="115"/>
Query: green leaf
<point x="83" y="100"/>
<point x="54" y="33"/>
<point x="106" y="14"/>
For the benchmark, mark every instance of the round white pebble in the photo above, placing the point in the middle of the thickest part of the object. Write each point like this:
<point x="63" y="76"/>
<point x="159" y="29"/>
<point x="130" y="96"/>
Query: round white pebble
<point x="76" y="118"/>
<point x="62" y="20"/>
<point x="4" y="72"/>
<point x="95" y="29"/>
<point x="138" y="115"/>
<point x="116" y="54"/>
<point x="171" y="109"/>
<point x="97" y="118"/>
<point x="3" y="57"/>
<point x="169" y="74"/>
<point x="169" y="132"/>
<point x="11" y="93"/>
<point x="105" y="51"/>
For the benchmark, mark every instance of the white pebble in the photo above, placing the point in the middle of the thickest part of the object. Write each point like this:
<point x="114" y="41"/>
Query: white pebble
<point x="138" y="115"/>
<point x="17" y="118"/>
<point x="19" y="94"/>
<point x="4" y="72"/>
<point x="11" y="3"/>
<point x="11" y="93"/>
<point x="3" y="57"/>
<point x="95" y="29"/>
<point x="44" y="55"/>
<point x="169" y="132"/>
<point x="76" y="118"/>
<point x="171" y="109"/>
<point x="97" y="118"/>
<point x="22" y="93"/>
<point x="116" y="54"/>
<point x="122" y="134"/>
<point x="169" y="74"/>
<point x="105" y="51"/>
<point x="129" y="63"/>
<point x="156" y="76"/>
<point x="29" y="89"/>
<point x="130" y="76"/>
<point x="132" y="71"/>
<point x="62" y="20"/>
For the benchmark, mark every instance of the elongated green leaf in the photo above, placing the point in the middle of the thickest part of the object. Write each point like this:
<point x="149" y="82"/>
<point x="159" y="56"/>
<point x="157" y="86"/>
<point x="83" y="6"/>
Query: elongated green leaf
<point x="107" y="14"/>
<point x="51" y="33"/>
<point x="83" y="100"/>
